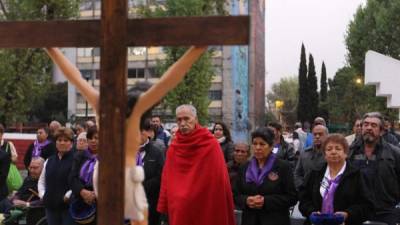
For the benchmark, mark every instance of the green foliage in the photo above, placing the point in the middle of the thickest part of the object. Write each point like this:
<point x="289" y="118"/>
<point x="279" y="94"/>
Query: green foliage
<point x="375" y="26"/>
<point x="195" y="86"/>
<point x="324" y="84"/>
<point x="312" y="85"/>
<point x="25" y="74"/>
<point x="53" y="105"/>
<point x="323" y="94"/>
<point x="287" y="91"/>
<point x="302" y="106"/>
<point x="348" y="100"/>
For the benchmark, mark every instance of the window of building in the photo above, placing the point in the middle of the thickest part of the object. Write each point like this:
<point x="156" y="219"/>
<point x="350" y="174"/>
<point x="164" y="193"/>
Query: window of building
<point x="215" y="95"/>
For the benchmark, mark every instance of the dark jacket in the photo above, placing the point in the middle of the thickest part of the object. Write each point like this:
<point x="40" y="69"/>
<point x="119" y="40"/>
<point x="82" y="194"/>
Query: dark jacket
<point x="351" y="195"/>
<point x="57" y="172"/>
<point x="153" y="164"/>
<point x="279" y="195"/>
<point x="26" y="191"/>
<point x="390" y="138"/>
<point x="75" y="182"/>
<point x="5" y="161"/>
<point x="309" y="160"/>
<point x="286" y="152"/>
<point x="382" y="172"/>
<point x="227" y="149"/>
<point x="47" y="151"/>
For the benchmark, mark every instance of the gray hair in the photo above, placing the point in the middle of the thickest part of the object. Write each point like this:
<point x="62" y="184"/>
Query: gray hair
<point x="377" y="115"/>
<point x="38" y="159"/>
<point x="191" y="108"/>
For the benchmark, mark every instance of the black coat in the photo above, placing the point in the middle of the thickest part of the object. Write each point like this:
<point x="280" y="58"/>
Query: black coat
<point x="279" y="195"/>
<point x="351" y="195"/>
<point x="47" y="151"/>
<point x="5" y="161"/>
<point x="227" y="149"/>
<point x="153" y="164"/>
<point x="75" y="182"/>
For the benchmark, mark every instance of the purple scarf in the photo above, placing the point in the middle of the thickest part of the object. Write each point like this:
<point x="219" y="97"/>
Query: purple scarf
<point x="37" y="147"/>
<point x="329" y="195"/>
<point x="139" y="160"/>
<point x="87" y="169"/>
<point x="257" y="175"/>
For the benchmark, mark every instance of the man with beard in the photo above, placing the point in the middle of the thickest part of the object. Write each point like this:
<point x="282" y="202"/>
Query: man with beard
<point x="379" y="162"/>
<point x="195" y="186"/>
<point x="312" y="157"/>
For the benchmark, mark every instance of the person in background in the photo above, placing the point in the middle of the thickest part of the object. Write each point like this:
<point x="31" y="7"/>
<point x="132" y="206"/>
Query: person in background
<point x="312" y="158"/>
<point x="356" y="132"/>
<point x="174" y="129"/>
<point x="309" y="140"/>
<point x="282" y="149"/>
<point x="42" y="147"/>
<point x="241" y="155"/>
<point x="264" y="189"/>
<point x="337" y="188"/>
<point x="53" y="127"/>
<point x="81" y="141"/>
<point x="27" y="195"/>
<point x="151" y="158"/>
<point x="387" y="134"/>
<point x="222" y="134"/>
<point x="161" y="133"/>
<point x="53" y="186"/>
<point x="5" y="161"/>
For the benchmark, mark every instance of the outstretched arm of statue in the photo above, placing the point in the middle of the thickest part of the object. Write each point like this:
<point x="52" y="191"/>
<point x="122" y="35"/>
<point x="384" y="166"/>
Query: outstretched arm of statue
<point x="74" y="76"/>
<point x="170" y="79"/>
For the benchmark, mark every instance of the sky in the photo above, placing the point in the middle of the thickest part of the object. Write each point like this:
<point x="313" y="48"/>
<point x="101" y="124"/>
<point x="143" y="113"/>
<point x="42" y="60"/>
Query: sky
<point x="320" y="24"/>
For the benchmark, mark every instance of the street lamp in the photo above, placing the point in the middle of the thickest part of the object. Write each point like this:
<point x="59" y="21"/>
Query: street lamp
<point x="279" y="105"/>
<point x="359" y="80"/>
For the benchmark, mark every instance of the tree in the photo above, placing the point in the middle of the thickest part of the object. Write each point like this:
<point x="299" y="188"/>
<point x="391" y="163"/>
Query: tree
<point x="374" y="27"/>
<point x="312" y="84"/>
<point x="324" y="84"/>
<point x="25" y="74"/>
<point x="197" y="82"/>
<point x="302" y="106"/>
<point x="286" y="90"/>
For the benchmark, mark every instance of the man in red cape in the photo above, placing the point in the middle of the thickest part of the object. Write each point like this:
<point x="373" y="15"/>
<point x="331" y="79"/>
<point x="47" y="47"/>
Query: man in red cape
<point x="195" y="188"/>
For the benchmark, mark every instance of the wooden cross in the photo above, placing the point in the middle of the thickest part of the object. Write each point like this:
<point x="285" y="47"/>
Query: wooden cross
<point x="113" y="33"/>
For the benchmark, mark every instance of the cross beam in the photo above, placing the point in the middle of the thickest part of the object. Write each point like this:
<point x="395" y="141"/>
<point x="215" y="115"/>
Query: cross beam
<point x="215" y="30"/>
<point x="113" y="33"/>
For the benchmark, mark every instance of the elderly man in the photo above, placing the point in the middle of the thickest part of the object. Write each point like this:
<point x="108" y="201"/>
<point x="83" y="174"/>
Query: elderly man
<point x="241" y="155"/>
<point x="195" y="186"/>
<point x="27" y="194"/>
<point x="379" y="161"/>
<point x="311" y="158"/>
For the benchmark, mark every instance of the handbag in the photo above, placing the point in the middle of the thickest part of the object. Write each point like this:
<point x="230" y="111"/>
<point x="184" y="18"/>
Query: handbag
<point x="14" y="179"/>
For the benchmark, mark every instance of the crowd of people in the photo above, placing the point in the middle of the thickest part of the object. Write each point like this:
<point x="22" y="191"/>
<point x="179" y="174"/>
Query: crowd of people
<point x="193" y="175"/>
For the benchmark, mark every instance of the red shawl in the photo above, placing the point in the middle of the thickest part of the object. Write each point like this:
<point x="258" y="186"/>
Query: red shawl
<point x="195" y="188"/>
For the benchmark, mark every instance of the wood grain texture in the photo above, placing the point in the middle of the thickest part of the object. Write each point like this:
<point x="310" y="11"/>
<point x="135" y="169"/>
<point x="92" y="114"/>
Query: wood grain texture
<point x="217" y="30"/>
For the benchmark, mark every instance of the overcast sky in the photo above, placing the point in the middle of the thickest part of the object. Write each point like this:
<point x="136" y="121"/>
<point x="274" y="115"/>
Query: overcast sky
<point x="320" y="24"/>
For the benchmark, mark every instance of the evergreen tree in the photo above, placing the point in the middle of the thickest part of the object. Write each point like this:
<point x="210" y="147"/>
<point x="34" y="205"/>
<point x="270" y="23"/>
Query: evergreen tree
<point x="323" y="107"/>
<point x="324" y="85"/>
<point x="312" y="84"/>
<point x="302" y="106"/>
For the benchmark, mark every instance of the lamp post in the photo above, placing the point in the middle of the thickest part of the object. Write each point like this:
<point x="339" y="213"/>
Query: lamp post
<point x="87" y="77"/>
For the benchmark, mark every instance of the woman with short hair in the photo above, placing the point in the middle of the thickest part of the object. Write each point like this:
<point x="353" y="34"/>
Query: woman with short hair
<point x="265" y="189"/>
<point x="53" y="185"/>
<point x="336" y="191"/>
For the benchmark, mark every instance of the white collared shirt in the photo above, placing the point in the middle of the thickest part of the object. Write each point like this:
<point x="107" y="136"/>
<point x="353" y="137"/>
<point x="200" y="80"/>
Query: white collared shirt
<point x="327" y="176"/>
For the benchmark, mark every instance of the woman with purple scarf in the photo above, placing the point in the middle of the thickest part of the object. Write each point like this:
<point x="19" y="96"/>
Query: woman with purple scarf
<point x="336" y="192"/>
<point x="81" y="176"/>
<point x="42" y="147"/>
<point x="264" y="189"/>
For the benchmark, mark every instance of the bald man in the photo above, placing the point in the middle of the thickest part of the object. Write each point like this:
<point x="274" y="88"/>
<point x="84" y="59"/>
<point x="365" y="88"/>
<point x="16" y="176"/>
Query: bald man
<point x="312" y="157"/>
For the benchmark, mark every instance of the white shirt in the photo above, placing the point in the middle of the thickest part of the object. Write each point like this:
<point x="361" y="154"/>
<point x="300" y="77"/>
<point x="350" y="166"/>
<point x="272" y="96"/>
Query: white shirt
<point x="327" y="176"/>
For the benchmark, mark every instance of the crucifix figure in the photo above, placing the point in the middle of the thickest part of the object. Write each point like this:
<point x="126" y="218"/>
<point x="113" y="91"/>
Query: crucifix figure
<point x="113" y="34"/>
